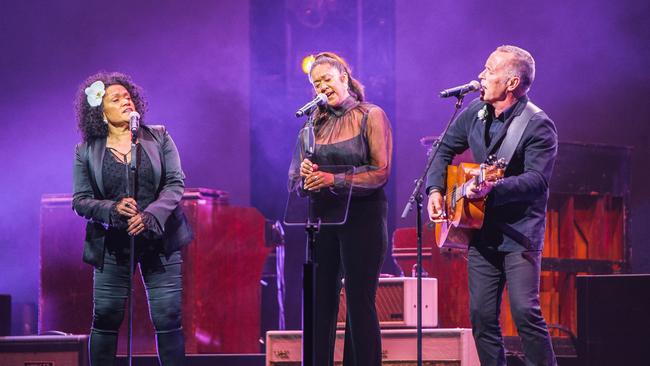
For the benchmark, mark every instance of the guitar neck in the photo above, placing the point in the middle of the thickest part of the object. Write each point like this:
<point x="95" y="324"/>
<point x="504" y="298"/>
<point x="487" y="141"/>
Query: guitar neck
<point x="461" y="192"/>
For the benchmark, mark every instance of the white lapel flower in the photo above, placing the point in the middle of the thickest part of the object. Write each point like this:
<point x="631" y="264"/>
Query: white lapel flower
<point x="94" y="93"/>
<point x="482" y="113"/>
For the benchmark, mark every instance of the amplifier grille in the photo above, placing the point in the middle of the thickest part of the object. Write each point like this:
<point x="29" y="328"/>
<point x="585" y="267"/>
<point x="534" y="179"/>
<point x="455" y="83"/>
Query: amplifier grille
<point x="389" y="303"/>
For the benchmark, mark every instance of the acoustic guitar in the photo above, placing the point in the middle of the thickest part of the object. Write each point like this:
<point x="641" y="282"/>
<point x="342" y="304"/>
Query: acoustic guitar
<point x="465" y="216"/>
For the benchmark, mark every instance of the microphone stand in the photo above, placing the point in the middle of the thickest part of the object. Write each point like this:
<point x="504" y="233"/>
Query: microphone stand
<point x="417" y="198"/>
<point x="310" y="266"/>
<point x="131" y="191"/>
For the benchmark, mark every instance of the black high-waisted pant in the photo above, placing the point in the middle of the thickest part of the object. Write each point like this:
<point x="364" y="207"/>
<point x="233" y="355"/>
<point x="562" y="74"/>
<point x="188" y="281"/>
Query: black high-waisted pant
<point x="355" y="252"/>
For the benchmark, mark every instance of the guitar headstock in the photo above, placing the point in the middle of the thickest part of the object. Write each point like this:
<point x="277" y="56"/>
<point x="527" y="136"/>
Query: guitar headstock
<point x="492" y="160"/>
<point x="493" y="170"/>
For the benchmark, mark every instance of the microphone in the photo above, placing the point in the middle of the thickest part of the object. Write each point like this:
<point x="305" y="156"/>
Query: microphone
<point x="134" y="123"/>
<point x="309" y="107"/>
<point x="459" y="91"/>
<point x="308" y="139"/>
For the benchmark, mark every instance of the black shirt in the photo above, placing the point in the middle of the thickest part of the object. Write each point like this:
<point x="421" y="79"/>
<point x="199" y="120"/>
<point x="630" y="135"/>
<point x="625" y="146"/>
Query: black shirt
<point x="115" y="177"/>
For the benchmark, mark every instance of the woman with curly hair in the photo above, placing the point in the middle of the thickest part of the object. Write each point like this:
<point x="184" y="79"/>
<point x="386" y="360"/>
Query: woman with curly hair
<point x="153" y="216"/>
<point x="349" y="132"/>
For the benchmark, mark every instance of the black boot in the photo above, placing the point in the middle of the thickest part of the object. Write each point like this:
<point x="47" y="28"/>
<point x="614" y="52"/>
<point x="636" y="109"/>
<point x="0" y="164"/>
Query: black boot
<point x="102" y="348"/>
<point x="171" y="348"/>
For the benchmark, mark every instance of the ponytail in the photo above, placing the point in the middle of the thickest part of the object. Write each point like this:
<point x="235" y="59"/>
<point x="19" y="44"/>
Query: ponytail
<point x="355" y="87"/>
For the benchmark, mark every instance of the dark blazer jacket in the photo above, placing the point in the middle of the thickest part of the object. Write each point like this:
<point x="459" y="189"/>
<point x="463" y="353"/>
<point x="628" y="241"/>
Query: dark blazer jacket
<point x="519" y="201"/>
<point x="88" y="197"/>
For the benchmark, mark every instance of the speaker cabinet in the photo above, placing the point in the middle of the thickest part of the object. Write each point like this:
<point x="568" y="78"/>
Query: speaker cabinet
<point x="44" y="350"/>
<point x="613" y="319"/>
<point x="5" y="315"/>
<point x="227" y="253"/>
<point x="396" y="303"/>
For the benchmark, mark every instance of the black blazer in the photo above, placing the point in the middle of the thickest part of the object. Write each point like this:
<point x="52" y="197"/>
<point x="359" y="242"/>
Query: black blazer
<point x="88" y="197"/>
<point x="519" y="201"/>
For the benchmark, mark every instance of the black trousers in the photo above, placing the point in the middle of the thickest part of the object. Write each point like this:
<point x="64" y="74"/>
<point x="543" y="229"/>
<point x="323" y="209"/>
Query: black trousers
<point x="163" y="282"/>
<point x="355" y="252"/>
<point x="489" y="270"/>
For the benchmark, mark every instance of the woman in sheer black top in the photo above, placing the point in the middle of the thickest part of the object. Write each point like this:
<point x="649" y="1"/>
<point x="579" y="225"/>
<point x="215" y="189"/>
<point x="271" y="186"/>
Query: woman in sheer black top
<point x="348" y="131"/>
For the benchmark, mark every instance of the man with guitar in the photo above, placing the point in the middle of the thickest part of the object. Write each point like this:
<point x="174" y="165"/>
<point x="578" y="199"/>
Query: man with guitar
<point x="504" y="124"/>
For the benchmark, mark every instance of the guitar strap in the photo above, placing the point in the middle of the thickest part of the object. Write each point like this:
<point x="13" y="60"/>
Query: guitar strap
<point x="516" y="131"/>
<point x="506" y="151"/>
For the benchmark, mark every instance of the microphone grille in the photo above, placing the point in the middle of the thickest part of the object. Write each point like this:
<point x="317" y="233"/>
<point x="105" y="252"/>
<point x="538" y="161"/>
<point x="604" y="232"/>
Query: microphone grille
<point x="322" y="98"/>
<point x="134" y="114"/>
<point x="474" y="85"/>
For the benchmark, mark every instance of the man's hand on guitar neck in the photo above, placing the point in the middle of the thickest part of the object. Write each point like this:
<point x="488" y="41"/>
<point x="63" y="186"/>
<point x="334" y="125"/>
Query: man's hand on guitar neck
<point x="435" y="206"/>
<point x="475" y="192"/>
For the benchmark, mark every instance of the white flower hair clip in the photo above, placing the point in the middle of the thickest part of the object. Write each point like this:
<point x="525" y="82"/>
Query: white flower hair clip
<point x="482" y="113"/>
<point x="94" y="93"/>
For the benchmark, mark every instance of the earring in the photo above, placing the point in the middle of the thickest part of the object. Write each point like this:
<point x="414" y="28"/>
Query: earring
<point x="104" y="118"/>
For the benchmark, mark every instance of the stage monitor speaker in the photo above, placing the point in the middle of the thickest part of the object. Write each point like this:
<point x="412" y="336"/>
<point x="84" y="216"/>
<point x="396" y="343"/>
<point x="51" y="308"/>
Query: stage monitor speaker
<point x="44" y="350"/>
<point x="398" y="347"/>
<point x="613" y="319"/>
